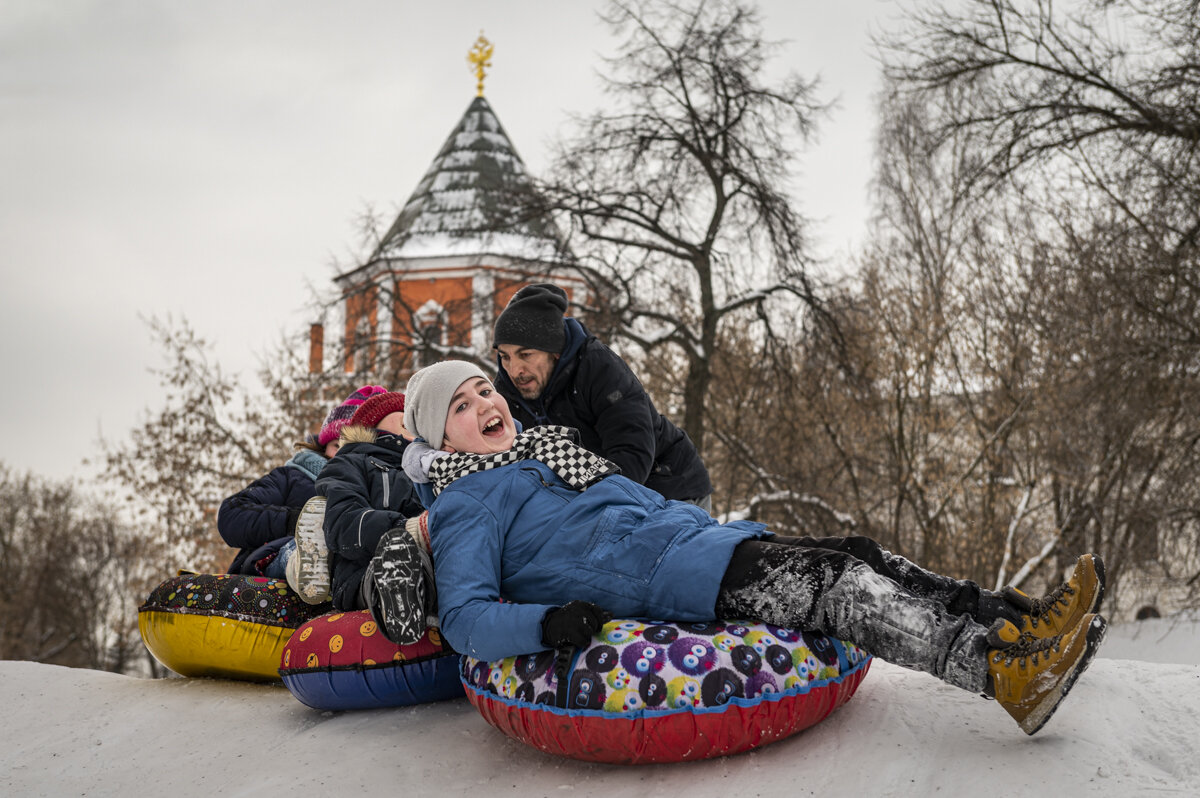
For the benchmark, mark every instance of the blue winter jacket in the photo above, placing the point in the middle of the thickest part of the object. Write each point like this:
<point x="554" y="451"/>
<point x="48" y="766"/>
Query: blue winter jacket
<point x="520" y="535"/>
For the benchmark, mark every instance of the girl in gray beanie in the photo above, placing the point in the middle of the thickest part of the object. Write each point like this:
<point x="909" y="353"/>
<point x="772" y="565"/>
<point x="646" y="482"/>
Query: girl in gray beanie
<point x="428" y="395"/>
<point x="537" y="543"/>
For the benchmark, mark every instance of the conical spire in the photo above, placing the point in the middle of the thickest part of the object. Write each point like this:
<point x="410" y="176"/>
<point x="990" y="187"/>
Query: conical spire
<point x="466" y="203"/>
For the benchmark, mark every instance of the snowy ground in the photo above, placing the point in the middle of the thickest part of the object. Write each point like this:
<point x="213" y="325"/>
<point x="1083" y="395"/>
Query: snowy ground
<point x="1130" y="727"/>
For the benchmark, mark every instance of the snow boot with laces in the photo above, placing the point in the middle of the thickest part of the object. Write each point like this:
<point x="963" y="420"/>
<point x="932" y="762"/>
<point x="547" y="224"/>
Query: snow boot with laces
<point x="308" y="568"/>
<point x="397" y="587"/>
<point x="1029" y="676"/>
<point x="1063" y="608"/>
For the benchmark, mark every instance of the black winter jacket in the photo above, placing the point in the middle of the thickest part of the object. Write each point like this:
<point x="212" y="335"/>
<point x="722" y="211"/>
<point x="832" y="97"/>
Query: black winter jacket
<point x="261" y="517"/>
<point x="593" y="390"/>
<point x="366" y="494"/>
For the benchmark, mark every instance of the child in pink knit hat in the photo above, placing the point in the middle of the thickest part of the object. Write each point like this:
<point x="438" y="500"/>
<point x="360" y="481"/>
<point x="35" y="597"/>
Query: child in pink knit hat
<point x="261" y="519"/>
<point x="340" y="416"/>
<point x="369" y="497"/>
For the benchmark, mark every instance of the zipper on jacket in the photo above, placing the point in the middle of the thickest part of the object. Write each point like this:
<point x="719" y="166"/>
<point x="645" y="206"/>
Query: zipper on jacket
<point x="387" y="486"/>
<point x="563" y="491"/>
<point x="537" y="474"/>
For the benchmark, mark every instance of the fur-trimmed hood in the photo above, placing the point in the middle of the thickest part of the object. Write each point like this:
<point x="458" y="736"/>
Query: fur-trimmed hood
<point x="372" y="437"/>
<point x="357" y="434"/>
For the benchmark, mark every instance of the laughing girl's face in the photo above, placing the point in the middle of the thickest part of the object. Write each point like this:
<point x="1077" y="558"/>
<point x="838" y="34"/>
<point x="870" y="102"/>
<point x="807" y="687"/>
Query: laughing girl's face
<point x="478" y="420"/>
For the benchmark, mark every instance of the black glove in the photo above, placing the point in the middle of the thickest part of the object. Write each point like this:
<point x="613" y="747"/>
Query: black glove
<point x="573" y="624"/>
<point x="992" y="606"/>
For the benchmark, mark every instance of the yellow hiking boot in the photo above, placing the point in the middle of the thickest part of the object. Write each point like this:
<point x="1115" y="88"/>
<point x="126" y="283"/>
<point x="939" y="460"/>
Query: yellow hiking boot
<point x="1063" y="608"/>
<point x="1029" y="676"/>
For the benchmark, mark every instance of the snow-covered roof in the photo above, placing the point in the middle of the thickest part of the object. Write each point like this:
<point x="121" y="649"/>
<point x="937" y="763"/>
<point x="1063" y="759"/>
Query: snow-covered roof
<point x="464" y="204"/>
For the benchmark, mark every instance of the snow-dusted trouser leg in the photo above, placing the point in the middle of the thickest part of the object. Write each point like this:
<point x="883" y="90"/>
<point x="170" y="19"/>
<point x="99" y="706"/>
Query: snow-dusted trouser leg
<point x="957" y="596"/>
<point x="839" y="595"/>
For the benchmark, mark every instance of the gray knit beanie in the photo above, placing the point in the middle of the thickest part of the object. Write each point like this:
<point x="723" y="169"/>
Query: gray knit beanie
<point x="534" y="319"/>
<point x="427" y="397"/>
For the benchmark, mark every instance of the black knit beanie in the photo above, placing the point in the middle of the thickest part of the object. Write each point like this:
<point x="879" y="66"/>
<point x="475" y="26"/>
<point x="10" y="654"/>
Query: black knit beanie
<point x="534" y="319"/>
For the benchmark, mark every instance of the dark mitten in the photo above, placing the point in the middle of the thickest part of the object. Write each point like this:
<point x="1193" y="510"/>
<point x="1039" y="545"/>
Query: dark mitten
<point x="993" y="606"/>
<point x="573" y="624"/>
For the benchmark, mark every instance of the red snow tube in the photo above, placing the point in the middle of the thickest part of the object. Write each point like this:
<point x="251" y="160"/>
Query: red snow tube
<point x="343" y="661"/>
<point x="664" y="692"/>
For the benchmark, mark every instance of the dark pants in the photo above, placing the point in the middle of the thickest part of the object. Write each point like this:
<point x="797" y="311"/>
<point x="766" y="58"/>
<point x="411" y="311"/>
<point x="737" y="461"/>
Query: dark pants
<point x="852" y="589"/>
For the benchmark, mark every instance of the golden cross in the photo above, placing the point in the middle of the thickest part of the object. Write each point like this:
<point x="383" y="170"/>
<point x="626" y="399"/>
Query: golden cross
<point x="480" y="59"/>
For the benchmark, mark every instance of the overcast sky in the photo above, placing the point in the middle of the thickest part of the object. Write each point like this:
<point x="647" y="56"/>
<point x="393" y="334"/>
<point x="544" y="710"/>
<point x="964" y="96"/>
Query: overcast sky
<point x="207" y="161"/>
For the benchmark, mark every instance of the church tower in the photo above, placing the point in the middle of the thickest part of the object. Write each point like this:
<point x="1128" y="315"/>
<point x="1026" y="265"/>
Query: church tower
<point x="462" y="245"/>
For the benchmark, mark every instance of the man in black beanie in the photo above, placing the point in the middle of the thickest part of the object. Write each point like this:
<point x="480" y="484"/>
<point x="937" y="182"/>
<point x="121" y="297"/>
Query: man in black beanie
<point x="553" y="371"/>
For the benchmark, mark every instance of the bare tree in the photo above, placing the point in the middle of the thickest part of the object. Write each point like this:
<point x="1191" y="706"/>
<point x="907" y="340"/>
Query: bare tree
<point x="763" y="456"/>
<point x="1102" y="104"/>
<point x="1081" y="125"/>
<point x="71" y="577"/>
<point x="209" y="439"/>
<point x="1117" y="425"/>
<point x="677" y="192"/>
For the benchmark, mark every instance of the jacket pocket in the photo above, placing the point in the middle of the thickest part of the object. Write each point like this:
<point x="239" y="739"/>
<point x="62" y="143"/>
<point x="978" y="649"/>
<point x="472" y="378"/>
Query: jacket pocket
<point x="628" y="549"/>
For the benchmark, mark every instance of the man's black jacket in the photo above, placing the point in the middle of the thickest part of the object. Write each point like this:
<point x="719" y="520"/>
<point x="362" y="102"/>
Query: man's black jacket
<point x="595" y="391"/>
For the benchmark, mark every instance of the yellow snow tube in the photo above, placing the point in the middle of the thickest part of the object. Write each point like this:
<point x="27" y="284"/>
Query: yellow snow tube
<point x="222" y="625"/>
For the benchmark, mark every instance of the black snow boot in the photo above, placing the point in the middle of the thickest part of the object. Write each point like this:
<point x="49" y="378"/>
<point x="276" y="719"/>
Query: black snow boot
<point x="400" y="577"/>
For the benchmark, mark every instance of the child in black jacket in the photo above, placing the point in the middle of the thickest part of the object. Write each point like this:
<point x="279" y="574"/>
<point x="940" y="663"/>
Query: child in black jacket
<point x="367" y="495"/>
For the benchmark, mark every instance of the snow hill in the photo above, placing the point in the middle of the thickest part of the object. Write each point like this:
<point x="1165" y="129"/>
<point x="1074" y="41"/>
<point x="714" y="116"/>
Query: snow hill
<point x="1131" y="727"/>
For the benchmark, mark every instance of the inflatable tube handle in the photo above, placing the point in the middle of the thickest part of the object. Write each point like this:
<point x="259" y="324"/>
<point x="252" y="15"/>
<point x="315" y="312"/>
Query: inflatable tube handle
<point x="562" y="666"/>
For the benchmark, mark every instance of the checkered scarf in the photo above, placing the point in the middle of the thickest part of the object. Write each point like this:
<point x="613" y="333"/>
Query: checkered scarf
<point x="555" y="446"/>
